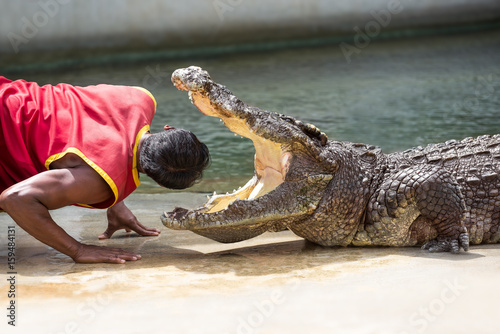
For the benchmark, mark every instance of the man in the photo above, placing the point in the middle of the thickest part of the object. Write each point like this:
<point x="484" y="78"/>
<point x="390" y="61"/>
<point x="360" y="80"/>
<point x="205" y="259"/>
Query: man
<point x="66" y="145"/>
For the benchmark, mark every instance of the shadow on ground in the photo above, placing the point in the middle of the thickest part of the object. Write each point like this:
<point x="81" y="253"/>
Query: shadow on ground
<point x="264" y="255"/>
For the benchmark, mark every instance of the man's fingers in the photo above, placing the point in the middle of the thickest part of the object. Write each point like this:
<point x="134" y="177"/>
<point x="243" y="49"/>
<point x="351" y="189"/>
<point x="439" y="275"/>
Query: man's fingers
<point x="123" y="258"/>
<point x="96" y="254"/>
<point x="148" y="233"/>
<point x="149" y="229"/>
<point x="145" y="231"/>
<point x="102" y="236"/>
<point x="123" y="255"/>
<point x="107" y="234"/>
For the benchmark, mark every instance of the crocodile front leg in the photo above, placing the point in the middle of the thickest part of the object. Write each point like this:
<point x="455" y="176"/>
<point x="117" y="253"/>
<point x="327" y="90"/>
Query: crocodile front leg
<point x="423" y="195"/>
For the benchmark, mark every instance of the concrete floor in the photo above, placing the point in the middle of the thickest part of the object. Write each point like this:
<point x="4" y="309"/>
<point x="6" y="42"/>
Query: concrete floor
<point x="275" y="283"/>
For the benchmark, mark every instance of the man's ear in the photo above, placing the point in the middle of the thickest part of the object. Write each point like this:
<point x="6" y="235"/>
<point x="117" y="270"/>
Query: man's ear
<point x="168" y="127"/>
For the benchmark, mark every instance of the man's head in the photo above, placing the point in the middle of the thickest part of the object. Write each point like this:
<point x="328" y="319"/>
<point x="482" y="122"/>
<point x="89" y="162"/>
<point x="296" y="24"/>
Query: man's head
<point x="174" y="158"/>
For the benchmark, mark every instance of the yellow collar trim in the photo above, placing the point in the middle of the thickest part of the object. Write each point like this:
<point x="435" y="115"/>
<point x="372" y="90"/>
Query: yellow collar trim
<point x="147" y="92"/>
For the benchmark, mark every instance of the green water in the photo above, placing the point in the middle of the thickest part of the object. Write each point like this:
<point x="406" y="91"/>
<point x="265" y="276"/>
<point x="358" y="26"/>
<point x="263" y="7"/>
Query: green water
<point x="395" y="94"/>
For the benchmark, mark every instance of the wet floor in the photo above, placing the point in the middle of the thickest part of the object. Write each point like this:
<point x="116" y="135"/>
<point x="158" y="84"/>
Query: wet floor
<point x="275" y="283"/>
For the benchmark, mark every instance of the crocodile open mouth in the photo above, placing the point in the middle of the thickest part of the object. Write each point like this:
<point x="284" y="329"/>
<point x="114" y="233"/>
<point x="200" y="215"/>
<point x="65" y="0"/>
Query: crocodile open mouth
<point x="271" y="134"/>
<point x="271" y="165"/>
<point x="271" y="160"/>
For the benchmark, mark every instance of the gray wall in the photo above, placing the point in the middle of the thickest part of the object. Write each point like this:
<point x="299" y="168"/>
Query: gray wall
<point x="27" y="26"/>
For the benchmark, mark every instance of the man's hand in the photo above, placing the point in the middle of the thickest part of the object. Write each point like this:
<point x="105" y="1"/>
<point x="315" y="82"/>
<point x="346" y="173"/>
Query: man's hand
<point x="97" y="254"/>
<point x="120" y="217"/>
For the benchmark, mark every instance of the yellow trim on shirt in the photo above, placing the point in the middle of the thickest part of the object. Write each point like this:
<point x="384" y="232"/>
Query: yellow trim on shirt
<point x="147" y="92"/>
<point x="89" y="162"/>
<point x="135" y="172"/>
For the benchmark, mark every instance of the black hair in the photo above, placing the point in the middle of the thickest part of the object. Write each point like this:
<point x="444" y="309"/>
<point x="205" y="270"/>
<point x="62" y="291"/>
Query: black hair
<point x="174" y="158"/>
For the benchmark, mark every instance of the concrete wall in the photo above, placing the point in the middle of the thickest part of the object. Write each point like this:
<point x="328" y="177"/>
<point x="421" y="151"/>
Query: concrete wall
<point x="27" y="26"/>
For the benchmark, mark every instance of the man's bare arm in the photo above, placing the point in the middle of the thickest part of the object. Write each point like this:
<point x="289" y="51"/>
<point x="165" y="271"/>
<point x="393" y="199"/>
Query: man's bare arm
<point x="28" y="203"/>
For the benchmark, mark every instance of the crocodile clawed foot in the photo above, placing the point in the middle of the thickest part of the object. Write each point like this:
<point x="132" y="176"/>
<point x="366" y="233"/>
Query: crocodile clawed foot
<point x="463" y="239"/>
<point x="448" y="245"/>
<point x="436" y="246"/>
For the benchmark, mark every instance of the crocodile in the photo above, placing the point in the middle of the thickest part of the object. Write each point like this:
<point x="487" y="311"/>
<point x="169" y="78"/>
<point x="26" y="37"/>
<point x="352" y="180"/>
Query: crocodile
<point x="441" y="197"/>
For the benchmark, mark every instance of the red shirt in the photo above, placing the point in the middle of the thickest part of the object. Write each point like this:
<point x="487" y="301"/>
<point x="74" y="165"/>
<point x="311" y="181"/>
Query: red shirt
<point x="101" y="124"/>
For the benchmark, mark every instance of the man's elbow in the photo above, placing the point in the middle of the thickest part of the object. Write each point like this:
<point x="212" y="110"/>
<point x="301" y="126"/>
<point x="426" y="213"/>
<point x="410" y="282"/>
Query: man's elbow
<point x="15" y="198"/>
